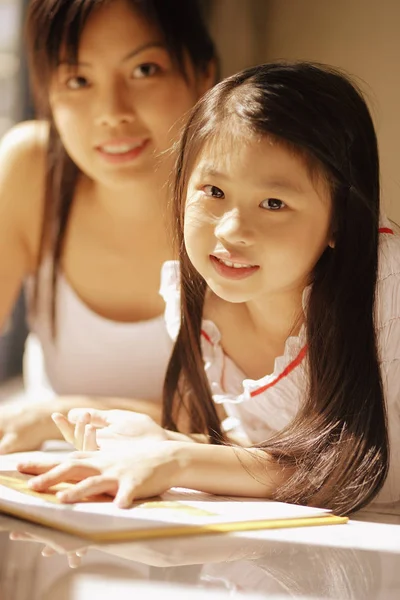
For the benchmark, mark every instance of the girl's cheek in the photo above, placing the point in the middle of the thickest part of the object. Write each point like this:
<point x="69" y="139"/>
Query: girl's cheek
<point x="195" y="218"/>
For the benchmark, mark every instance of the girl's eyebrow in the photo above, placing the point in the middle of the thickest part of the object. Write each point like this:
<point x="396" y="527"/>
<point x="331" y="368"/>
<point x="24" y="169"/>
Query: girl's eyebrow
<point x="129" y="56"/>
<point x="210" y="171"/>
<point x="281" y="183"/>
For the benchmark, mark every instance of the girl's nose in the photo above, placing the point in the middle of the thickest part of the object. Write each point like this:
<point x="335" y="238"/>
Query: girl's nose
<point x="235" y="229"/>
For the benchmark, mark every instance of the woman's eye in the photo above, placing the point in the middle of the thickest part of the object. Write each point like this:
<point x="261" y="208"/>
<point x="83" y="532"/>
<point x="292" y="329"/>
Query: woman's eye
<point x="77" y="83"/>
<point x="272" y="204"/>
<point x="213" y="191"/>
<point x="145" y="70"/>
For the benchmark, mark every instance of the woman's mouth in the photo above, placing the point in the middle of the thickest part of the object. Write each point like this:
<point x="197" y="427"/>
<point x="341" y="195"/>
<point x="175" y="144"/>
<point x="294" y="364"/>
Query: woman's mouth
<point x="122" y="151"/>
<point x="231" y="269"/>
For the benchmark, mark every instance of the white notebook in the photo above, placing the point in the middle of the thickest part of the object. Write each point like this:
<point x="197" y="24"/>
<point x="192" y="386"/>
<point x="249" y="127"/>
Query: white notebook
<point x="175" y="513"/>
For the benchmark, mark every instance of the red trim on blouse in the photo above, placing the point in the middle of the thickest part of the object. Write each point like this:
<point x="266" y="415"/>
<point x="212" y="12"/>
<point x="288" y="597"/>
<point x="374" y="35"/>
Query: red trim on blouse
<point x="386" y="230"/>
<point x="291" y="366"/>
<point x="206" y="337"/>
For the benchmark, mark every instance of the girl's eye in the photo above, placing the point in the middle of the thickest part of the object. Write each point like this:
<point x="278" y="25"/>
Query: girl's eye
<point x="77" y="83"/>
<point x="273" y="204"/>
<point x="145" y="70"/>
<point x="213" y="191"/>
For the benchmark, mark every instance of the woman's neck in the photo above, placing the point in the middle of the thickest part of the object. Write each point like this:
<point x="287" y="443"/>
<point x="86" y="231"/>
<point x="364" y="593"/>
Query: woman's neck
<point x="141" y="201"/>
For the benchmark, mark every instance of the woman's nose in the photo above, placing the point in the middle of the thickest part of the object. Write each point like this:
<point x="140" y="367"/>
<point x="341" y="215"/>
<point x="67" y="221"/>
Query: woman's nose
<point x="115" y="107"/>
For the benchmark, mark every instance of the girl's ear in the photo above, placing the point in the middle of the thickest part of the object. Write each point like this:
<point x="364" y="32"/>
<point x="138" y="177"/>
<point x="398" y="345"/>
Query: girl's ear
<point x="331" y="243"/>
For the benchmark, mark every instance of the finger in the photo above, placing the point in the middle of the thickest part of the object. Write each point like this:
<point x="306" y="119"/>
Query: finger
<point x="98" y="418"/>
<point x="126" y="493"/>
<point x="10" y="443"/>
<point x="20" y="536"/>
<point x="81" y="455"/>
<point x="35" y="468"/>
<point x="48" y="551"/>
<point x="91" y="486"/>
<point x="80" y="430"/>
<point x="66" y="428"/>
<point x="69" y="471"/>
<point x="74" y="560"/>
<point x="89" y="440"/>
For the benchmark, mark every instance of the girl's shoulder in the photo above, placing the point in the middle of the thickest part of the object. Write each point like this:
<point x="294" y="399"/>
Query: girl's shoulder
<point x="23" y="152"/>
<point x="170" y="291"/>
<point x="389" y="252"/>
<point x="388" y="284"/>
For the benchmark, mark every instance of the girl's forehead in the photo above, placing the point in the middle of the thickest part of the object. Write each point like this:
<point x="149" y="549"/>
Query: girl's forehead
<point x="245" y="149"/>
<point x="259" y="160"/>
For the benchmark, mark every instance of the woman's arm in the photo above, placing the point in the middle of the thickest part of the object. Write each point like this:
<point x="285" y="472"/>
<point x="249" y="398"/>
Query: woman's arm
<point x="22" y="170"/>
<point x="64" y="404"/>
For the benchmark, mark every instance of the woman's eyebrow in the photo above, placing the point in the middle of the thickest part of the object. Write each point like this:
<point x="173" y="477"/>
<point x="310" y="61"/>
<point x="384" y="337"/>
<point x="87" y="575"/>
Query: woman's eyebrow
<point x="142" y="48"/>
<point x="129" y="56"/>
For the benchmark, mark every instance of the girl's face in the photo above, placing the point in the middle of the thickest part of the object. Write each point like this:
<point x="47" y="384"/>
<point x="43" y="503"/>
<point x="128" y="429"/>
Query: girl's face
<point x="256" y="222"/>
<point x="123" y="103"/>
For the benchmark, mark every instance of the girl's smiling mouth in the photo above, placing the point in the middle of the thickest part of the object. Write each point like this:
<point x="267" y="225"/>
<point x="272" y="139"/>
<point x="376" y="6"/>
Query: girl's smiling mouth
<point x="232" y="269"/>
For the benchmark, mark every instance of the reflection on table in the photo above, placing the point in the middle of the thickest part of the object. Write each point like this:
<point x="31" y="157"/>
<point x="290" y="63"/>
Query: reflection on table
<point x="360" y="564"/>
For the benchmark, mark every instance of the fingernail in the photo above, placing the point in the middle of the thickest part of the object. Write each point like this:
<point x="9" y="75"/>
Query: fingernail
<point x="64" y="496"/>
<point x="35" y="483"/>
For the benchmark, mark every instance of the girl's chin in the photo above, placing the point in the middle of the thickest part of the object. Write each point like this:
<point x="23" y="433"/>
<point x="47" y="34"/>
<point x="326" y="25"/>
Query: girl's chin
<point x="230" y="295"/>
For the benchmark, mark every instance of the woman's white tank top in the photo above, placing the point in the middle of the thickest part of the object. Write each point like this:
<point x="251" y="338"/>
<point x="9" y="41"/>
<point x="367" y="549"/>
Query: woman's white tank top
<point x="91" y="355"/>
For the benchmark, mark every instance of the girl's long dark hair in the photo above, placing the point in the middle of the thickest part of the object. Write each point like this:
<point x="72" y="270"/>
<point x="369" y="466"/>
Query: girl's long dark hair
<point x="57" y="25"/>
<point x="337" y="446"/>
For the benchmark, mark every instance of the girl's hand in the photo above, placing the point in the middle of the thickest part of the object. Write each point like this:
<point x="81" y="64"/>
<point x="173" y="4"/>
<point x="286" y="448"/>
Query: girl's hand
<point x="149" y="470"/>
<point x="90" y="429"/>
<point x="50" y="548"/>
<point x="25" y="426"/>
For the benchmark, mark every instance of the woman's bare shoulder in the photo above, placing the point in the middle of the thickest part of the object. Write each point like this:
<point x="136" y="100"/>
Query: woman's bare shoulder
<point x="23" y="151"/>
<point x="25" y="144"/>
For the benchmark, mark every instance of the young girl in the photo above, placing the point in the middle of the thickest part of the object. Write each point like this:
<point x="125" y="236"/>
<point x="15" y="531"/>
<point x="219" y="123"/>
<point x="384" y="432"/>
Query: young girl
<point x="82" y="202"/>
<point x="289" y="298"/>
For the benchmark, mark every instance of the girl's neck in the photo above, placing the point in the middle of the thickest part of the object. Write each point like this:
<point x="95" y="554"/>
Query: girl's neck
<point x="278" y="316"/>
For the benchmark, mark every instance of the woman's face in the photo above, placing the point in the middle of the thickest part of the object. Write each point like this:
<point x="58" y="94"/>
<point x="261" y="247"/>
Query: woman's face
<point x="119" y="110"/>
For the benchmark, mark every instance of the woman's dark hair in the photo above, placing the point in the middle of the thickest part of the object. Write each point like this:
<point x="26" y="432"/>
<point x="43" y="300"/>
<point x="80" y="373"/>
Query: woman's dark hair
<point x="56" y="26"/>
<point x="336" y="447"/>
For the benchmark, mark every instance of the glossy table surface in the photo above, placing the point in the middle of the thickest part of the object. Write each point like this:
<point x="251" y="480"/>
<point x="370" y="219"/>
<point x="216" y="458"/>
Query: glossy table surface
<point x="359" y="560"/>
